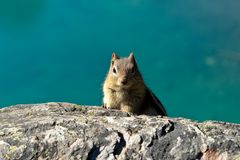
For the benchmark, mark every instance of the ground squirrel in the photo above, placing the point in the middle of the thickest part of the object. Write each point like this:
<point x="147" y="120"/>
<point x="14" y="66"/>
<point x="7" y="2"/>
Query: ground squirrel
<point x="125" y="90"/>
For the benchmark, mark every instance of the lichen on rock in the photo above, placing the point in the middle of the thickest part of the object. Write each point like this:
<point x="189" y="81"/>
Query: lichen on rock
<point x="69" y="131"/>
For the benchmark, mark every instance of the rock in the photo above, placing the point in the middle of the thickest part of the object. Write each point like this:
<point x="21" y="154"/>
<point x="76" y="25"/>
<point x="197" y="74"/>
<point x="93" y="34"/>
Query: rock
<point x="69" y="131"/>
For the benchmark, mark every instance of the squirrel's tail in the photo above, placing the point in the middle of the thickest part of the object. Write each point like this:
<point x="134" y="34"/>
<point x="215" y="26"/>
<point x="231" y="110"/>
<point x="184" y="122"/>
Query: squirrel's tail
<point x="155" y="103"/>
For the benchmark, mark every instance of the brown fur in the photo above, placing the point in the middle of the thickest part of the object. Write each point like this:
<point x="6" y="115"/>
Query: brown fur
<point x="124" y="88"/>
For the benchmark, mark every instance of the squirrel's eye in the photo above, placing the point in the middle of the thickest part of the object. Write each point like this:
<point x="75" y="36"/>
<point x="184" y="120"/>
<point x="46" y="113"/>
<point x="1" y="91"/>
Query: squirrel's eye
<point x="114" y="70"/>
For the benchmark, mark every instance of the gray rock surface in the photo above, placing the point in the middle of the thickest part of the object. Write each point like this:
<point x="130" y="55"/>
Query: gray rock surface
<point x="68" y="131"/>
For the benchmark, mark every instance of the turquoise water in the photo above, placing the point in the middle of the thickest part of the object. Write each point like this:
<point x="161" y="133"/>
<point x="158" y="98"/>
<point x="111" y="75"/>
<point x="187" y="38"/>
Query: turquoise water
<point x="59" y="50"/>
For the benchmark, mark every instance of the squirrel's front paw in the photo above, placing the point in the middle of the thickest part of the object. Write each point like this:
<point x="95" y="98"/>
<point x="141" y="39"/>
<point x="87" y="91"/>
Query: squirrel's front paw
<point x="105" y="106"/>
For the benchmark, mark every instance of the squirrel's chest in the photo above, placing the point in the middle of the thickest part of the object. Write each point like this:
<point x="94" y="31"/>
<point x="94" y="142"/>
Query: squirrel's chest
<point x="121" y="95"/>
<point x="126" y="95"/>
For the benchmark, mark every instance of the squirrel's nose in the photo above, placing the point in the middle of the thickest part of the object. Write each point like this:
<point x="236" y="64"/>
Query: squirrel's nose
<point x="124" y="81"/>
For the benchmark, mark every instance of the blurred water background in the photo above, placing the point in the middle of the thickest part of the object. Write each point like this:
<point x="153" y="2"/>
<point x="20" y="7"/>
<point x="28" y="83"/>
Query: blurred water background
<point x="59" y="50"/>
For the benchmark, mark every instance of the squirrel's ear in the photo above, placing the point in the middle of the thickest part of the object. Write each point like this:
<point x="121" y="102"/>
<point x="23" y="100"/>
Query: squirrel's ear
<point x="131" y="57"/>
<point x="114" y="56"/>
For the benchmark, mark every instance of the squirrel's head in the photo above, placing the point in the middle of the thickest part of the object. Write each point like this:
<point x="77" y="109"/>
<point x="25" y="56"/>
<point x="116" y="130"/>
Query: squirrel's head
<point x="124" y="71"/>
